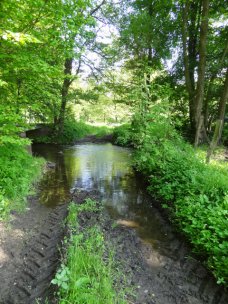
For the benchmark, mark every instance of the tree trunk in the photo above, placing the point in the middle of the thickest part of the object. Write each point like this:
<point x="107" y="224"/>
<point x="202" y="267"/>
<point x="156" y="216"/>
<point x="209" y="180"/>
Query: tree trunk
<point x="195" y="14"/>
<point x="201" y="70"/>
<point x="220" y="120"/>
<point x="210" y="84"/>
<point x="64" y="92"/>
<point x="188" y="59"/>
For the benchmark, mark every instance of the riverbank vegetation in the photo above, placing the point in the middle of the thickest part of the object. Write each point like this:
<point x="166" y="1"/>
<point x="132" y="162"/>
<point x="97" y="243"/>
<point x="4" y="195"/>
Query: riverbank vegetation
<point x="73" y="131"/>
<point x="84" y="276"/>
<point x="194" y="193"/>
<point x="19" y="171"/>
<point x="180" y="104"/>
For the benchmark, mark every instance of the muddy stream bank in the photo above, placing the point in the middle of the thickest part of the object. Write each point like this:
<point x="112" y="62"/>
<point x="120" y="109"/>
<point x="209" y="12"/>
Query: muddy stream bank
<point x="156" y="261"/>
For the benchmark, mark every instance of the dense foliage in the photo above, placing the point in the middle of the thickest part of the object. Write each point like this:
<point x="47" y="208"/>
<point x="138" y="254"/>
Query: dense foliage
<point x="178" y="47"/>
<point x="39" y="42"/>
<point x="18" y="170"/>
<point x="194" y="193"/>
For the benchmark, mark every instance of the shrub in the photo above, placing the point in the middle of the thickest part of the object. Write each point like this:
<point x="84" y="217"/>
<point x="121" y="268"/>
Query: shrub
<point x="122" y="135"/>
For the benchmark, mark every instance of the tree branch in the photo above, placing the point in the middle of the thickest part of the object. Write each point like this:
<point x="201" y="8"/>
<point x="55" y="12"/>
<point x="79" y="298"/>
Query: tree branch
<point x="97" y="8"/>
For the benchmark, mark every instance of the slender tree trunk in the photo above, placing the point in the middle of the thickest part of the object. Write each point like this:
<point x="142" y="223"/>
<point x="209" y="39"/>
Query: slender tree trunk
<point x="201" y="70"/>
<point x="194" y="12"/>
<point x="149" y="64"/>
<point x="210" y="84"/>
<point x="64" y="93"/>
<point x="187" y="52"/>
<point x="220" y="121"/>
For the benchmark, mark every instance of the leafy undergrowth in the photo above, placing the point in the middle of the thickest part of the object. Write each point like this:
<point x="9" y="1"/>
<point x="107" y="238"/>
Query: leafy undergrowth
<point x="196" y="194"/>
<point x="18" y="170"/>
<point x="84" y="276"/>
<point x="122" y="135"/>
<point x="73" y="131"/>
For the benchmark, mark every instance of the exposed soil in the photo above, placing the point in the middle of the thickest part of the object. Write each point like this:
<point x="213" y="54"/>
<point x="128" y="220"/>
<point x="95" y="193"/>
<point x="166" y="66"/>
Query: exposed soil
<point x="29" y="256"/>
<point x="29" y="253"/>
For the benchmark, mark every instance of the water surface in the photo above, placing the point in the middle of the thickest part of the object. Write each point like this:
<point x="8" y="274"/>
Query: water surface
<point x="108" y="169"/>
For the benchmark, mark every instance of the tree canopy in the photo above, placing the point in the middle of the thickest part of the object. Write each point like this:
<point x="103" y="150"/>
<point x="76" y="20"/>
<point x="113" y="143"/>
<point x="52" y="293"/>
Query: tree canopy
<point x="170" y="51"/>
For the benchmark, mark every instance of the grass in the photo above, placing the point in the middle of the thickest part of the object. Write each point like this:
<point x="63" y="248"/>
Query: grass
<point x="84" y="276"/>
<point x="18" y="171"/>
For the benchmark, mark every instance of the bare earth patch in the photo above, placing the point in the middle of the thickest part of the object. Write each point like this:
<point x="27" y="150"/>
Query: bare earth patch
<point x="29" y="252"/>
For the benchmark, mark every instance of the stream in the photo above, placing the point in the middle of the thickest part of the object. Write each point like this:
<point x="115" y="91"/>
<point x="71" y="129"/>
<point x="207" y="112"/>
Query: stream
<point x="176" y="276"/>
<point x="105" y="168"/>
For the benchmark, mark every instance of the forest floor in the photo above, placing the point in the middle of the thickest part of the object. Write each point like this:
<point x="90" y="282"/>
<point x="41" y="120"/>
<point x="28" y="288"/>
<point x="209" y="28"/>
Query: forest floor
<point x="29" y="257"/>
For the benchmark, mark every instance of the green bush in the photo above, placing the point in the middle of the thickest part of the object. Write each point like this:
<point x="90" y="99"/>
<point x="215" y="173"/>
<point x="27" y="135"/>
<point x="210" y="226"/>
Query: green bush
<point x="195" y="193"/>
<point x="18" y="169"/>
<point x="122" y="135"/>
<point x="74" y="130"/>
<point x="100" y="131"/>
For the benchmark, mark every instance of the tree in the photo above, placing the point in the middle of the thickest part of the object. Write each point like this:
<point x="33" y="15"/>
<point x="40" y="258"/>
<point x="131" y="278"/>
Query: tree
<point x="150" y="32"/>
<point x="71" y="37"/>
<point x="220" y="119"/>
<point x="204" y="51"/>
<point x="30" y="69"/>
<point x="40" y="42"/>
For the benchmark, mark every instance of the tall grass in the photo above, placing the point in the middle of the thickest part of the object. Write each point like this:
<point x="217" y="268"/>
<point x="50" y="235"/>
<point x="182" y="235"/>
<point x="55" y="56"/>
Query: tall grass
<point x="18" y="170"/>
<point x="84" y="275"/>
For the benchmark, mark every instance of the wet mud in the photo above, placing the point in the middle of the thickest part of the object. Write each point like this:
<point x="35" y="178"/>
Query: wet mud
<point x="152" y="277"/>
<point x="177" y="278"/>
<point x="30" y="253"/>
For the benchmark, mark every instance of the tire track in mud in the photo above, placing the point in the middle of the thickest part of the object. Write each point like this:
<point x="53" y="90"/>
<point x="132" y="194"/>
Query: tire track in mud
<point x="41" y="258"/>
<point x="180" y="277"/>
<point x="162" y="279"/>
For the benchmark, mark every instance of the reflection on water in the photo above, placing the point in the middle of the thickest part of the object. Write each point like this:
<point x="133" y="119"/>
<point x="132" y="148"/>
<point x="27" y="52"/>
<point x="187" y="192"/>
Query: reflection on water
<point x="106" y="168"/>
